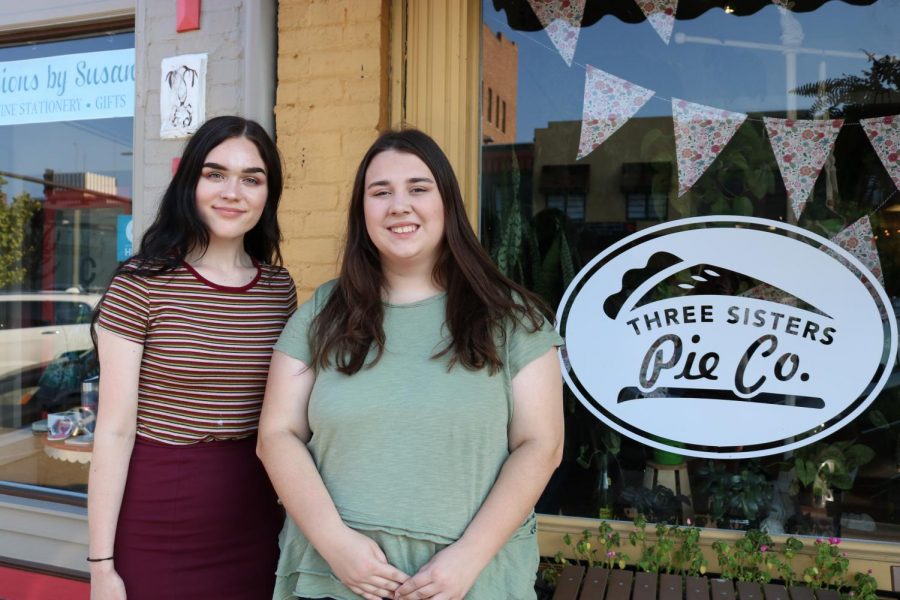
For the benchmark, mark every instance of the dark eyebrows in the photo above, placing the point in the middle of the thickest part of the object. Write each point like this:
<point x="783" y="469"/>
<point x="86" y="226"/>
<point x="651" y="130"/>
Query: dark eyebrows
<point x="218" y="167"/>
<point x="410" y="180"/>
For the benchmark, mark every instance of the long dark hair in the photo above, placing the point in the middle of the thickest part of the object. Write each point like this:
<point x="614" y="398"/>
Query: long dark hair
<point x="178" y="228"/>
<point x="480" y="299"/>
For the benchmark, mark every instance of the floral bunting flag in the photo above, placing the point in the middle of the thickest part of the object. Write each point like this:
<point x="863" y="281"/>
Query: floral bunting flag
<point x="562" y="20"/>
<point x="859" y="240"/>
<point x="661" y="14"/>
<point x="701" y="133"/>
<point x="801" y="148"/>
<point x="884" y="133"/>
<point x="608" y="104"/>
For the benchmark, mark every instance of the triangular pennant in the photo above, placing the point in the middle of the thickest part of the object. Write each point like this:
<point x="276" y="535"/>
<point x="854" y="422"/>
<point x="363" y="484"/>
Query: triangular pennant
<point x="562" y="20"/>
<point x="701" y="133"/>
<point x="884" y="133"/>
<point x="608" y="104"/>
<point x="858" y="239"/>
<point x="661" y="14"/>
<point x="801" y="148"/>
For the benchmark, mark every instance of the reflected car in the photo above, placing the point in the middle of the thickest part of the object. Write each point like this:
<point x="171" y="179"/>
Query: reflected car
<point x="40" y="330"/>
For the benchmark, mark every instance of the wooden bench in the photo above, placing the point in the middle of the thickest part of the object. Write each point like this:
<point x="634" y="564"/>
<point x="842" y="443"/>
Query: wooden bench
<point x="576" y="583"/>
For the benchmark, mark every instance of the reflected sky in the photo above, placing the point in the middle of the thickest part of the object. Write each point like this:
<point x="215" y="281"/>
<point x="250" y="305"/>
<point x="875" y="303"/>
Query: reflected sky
<point x="696" y="66"/>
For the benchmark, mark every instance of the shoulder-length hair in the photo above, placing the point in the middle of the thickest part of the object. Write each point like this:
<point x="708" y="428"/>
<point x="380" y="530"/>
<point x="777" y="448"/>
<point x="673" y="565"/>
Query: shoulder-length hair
<point x="481" y="301"/>
<point x="178" y="227"/>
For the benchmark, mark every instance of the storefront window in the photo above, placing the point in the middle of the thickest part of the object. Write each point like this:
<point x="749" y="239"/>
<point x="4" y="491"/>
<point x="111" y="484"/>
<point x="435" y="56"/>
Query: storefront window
<point x="66" y="115"/>
<point x="553" y="197"/>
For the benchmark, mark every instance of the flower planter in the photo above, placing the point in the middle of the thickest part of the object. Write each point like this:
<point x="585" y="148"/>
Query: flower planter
<point x="598" y="583"/>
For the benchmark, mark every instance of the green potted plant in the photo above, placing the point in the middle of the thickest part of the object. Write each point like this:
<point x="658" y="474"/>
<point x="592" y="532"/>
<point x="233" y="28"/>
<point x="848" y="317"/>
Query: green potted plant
<point x="735" y="499"/>
<point x="825" y="467"/>
<point x="658" y="504"/>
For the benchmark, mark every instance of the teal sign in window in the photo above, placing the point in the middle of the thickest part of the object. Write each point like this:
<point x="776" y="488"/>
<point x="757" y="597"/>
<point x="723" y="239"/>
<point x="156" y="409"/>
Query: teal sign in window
<point x="124" y="237"/>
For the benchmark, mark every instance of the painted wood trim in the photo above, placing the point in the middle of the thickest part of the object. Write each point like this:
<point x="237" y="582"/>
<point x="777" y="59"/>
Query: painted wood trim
<point x="435" y="75"/>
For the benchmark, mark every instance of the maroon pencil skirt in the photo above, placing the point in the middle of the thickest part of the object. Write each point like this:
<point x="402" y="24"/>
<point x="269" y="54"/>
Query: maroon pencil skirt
<point x="198" y="521"/>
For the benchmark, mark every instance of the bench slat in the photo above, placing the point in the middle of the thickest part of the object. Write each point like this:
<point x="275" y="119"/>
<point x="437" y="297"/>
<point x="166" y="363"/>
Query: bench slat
<point x="721" y="590"/>
<point x="774" y="591"/>
<point x="750" y="591"/>
<point x="619" y="587"/>
<point x="697" y="588"/>
<point x="801" y="592"/>
<point x="594" y="587"/>
<point x="644" y="586"/>
<point x="824" y="594"/>
<point x="671" y="587"/>
<point x="569" y="582"/>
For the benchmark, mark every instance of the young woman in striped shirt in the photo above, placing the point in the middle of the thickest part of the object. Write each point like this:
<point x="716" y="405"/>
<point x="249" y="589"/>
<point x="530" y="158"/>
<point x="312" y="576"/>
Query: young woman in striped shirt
<point x="178" y="504"/>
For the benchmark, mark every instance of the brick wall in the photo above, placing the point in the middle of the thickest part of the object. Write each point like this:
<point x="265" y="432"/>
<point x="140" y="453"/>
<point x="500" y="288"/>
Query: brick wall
<point x="500" y="87"/>
<point x="331" y="102"/>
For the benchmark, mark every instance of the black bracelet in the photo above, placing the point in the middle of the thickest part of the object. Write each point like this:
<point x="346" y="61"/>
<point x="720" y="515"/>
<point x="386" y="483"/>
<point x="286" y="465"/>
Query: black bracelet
<point x="89" y="559"/>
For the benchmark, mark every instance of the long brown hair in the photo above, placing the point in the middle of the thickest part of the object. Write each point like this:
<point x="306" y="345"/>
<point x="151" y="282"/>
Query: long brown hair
<point x="480" y="299"/>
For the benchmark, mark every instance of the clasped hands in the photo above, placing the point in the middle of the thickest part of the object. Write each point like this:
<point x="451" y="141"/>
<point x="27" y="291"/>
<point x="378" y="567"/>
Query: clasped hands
<point x="362" y="566"/>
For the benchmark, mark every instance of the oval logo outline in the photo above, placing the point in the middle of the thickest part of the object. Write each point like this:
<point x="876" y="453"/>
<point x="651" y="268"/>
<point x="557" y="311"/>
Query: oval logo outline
<point x="799" y="242"/>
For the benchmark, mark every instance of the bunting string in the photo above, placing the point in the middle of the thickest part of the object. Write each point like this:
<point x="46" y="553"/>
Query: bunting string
<point x="801" y="147"/>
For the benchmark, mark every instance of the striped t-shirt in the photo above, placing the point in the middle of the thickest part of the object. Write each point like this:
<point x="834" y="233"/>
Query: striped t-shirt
<point x="207" y="349"/>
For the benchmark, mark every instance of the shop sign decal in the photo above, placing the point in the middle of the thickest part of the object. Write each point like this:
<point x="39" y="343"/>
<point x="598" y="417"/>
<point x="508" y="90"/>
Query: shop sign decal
<point x="668" y="343"/>
<point x="70" y="87"/>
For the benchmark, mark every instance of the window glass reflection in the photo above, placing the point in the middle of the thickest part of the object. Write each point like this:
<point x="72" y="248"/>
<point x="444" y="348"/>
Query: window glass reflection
<point x="545" y="214"/>
<point x="65" y="205"/>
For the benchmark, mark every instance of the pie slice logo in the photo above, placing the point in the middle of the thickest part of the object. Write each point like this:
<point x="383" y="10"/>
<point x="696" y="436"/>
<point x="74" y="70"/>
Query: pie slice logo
<point x="732" y="336"/>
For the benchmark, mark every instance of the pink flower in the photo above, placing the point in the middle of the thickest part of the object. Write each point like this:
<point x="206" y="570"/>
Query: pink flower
<point x="689" y="521"/>
<point x="820" y="541"/>
<point x="834" y="541"/>
<point x="763" y="548"/>
<point x="611" y="554"/>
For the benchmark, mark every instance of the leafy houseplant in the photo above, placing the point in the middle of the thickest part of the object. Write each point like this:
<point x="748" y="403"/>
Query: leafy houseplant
<point x="752" y="558"/>
<point x="831" y="566"/>
<point x="658" y="504"/>
<point x="601" y="549"/>
<point x="677" y="549"/>
<point x="740" y="497"/>
<point x="825" y="467"/>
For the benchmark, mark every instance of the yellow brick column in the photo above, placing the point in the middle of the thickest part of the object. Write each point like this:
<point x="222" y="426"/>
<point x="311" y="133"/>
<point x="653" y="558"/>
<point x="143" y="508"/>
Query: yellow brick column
<point x="332" y="100"/>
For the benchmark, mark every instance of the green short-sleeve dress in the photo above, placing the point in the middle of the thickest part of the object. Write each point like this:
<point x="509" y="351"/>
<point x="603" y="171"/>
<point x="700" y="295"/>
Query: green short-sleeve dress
<point x="409" y="450"/>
